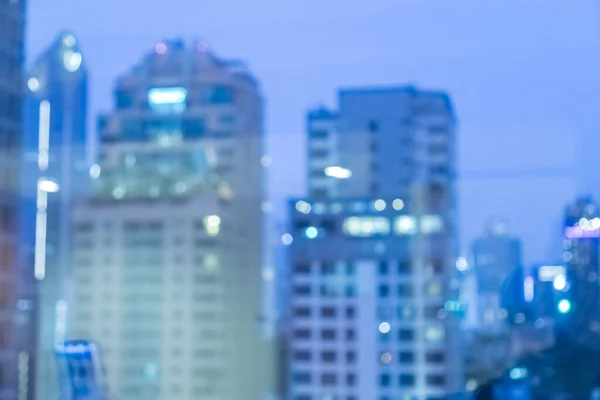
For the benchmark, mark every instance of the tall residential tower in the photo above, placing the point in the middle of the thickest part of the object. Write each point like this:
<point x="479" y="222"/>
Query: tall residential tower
<point x="168" y="252"/>
<point x="373" y="249"/>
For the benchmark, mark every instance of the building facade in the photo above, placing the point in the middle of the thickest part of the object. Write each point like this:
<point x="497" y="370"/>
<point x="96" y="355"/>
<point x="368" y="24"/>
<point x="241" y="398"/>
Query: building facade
<point x="55" y="175"/>
<point x="496" y="262"/>
<point x="16" y="288"/>
<point x="372" y="251"/>
<point x="168" y="252"/>
<point x="581" y="259"/>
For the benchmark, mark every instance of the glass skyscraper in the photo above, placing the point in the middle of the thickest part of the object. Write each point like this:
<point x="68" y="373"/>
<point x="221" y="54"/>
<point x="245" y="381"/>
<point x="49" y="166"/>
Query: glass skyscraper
<point x="16" y="287"/>
<point x="55" y="173"/>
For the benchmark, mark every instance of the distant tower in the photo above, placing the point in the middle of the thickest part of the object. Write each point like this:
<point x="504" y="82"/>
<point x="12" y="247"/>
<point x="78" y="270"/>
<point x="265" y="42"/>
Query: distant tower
<point x="581" y="319"/>
<point x="496" y="257"/>
<point x="55" y="175"/>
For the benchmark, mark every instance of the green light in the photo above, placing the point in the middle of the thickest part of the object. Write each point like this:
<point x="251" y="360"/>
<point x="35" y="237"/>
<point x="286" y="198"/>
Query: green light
<point x="564" y="306"/>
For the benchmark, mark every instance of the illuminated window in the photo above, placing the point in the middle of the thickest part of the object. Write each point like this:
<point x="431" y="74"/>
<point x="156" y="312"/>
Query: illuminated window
<point x="405" y="225"/>
<point x="431" y="224"/>
<point x="435" y="334"/>
<point x="167" y="100"/>
<point x="366" y="226"/>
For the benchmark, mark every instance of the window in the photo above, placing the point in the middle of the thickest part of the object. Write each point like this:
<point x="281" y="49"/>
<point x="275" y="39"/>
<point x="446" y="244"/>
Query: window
<point x="436" y="380"/>
<point x="435" y="357"/>
<point x="406" y="335"/>
<point x="302" y="377"/>
<point x="218" y="94"/>
<point x="404" y="267"/>
<point x="328" y="312"/>
<point x="328" y="356"/>
<point x="384" y="380"/>
<point x="328" y="334"/>
<point x="373" y="126"/>
<point x="329" y="379"/>
<point x="350" y="269"/>
<point x="405" y="290"/>
<point x="406" y="357"/>
<point x="302" y="355"/>
<point x="302" y="290"/>
<point x="328" y="269"/>
<point x="350" y="357"/>
<point x="302" y="312"/>
<point x="302" y="334"/>
<point x="384" y="290"/>
<point x="350" y="312"/>
<point x="383" y="268"/>
<point x="350" y="290"/>
<point x="302" y="268"/>
<point x="319" y="153"/>
<point x="406" y="380"/>
<point x="406" y="312"/>
<point x="350" y="379"/>
<point x="350" y="334"/>
<point x="319" y="134"/>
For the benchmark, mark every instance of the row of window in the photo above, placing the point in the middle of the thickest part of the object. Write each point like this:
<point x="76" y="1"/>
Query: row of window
<point x="325" y="379"/>
<point x="335" y="289"/>
<point x="326" y="334"/>
<point x="404" y="380"/>
<point x="403" y="357"/>
<point x="349" y="269"/>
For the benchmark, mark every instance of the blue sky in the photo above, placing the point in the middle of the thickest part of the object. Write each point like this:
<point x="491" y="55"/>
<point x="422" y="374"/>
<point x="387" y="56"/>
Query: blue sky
<point x="523" y="74"/>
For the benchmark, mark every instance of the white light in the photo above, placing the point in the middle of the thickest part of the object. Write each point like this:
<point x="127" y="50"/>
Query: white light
<point x="386" y="358"/>
<point x="43" y="134"/>
<point x="528" y="287"/>
<point x="405" y="225"/>
<point x="518" y="373"/>
<point x="311" y="232"/>
<point x="564" y="306"/>
<point x="268" y="274"/>
<point x="95" y="171"/>
<point x="431" y="224"/>
<point x="213" y="220"/>
<point x="303" y="207"/>
<point x="266" y="207"/>
<point x="39" y="268"/>
<point x="384" y="327"/>
<point x="434" y="334"/>
<point x="567" y="256"/>
<point x="175" y="95"/>
<point x="68" y="40"/>
<point x="72" y="60"/>
<point x="398" y="204"/>
<point x="118" y="192"/>
<point x="266" y="161"/>
<point x="379" y="205"/>
<point x="48" y="186"/>
<point x="596" y="223"/>
<point x="560" y="282"/>
<point x="462" y="264"/>
<point x="338" y="172"/>
<point x="160" y="48"/>
<point x="583" y="223"/>
<point x="60" y="327"/>
<point x="180" y="187"/>
<point x="547" y="273"/>
<point x="33" y="84"/>
<point x="287" y="239"/>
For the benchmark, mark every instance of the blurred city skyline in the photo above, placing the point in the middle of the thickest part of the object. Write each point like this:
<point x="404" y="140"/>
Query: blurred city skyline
<point x="522" y="152"/>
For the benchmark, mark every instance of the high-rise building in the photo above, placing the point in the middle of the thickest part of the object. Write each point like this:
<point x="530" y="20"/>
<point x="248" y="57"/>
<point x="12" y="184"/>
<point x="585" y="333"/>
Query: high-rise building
<point x="16" y="322"/>
<point x="168" y="252"/>
<point x="581" y="308"/>
<point x="55" y="175"/>
<point x="496" y="259"/>
<point x="372" y="251"/>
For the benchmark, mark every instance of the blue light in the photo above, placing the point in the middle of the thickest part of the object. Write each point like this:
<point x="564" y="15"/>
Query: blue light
<point x="564" y="306"/>
<point x="311" y="232"/>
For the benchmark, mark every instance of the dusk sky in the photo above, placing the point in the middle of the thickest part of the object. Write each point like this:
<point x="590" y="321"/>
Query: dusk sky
<point x="523" y="75"/>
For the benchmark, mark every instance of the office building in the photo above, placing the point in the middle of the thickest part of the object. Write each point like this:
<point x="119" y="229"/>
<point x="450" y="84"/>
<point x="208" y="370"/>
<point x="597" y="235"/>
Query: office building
<point x="16" y="287"/>
<point x="581" y="308"/>
<point x="168" y="252"/>
<point x="372" y="251"/>
<point x="496" y="262"/>
<point x="55" y="175"/>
